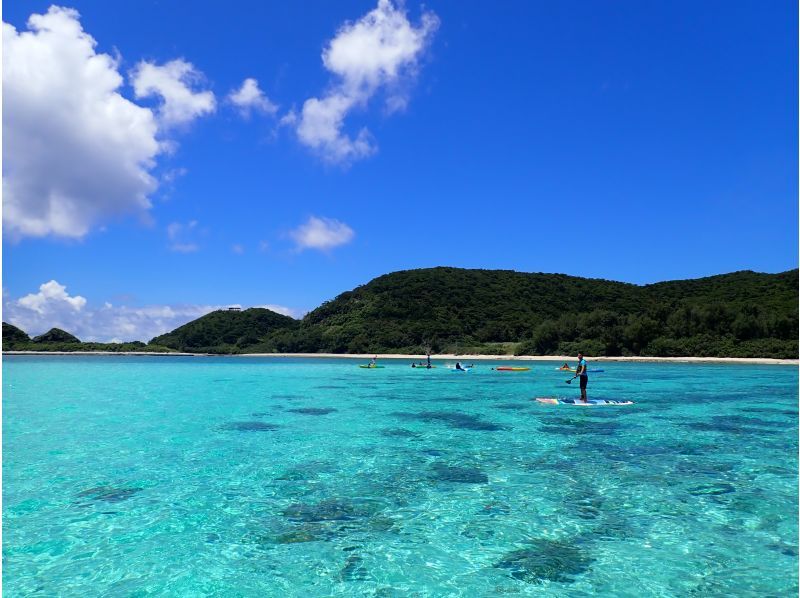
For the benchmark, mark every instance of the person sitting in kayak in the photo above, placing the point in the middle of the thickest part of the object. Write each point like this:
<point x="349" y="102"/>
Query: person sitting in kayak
<point x="458" y="365"/>
<point x="565" y="367"/>
<point x="582" y="372"/>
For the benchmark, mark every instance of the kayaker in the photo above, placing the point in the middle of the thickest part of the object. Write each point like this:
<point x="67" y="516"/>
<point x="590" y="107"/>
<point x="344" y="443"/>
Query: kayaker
<point x="565" y="366"/>
<point x="584" y="376"/>
<point x="458" y="365"/>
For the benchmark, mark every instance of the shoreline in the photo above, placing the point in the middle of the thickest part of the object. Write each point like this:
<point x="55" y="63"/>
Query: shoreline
<point x="439" y="357"/>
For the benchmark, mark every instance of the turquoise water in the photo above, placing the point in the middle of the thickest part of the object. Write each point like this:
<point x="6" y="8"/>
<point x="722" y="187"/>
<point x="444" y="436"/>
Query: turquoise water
<point x="136" y="476"/>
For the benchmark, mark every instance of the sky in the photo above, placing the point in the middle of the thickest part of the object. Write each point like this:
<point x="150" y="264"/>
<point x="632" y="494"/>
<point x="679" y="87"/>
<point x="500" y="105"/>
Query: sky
<point x="160" y="162"/>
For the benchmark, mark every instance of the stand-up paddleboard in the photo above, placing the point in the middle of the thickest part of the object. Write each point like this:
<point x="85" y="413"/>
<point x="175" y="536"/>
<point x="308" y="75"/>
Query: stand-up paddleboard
<point x="422" y="367"/>
<point x="371" y="367"/>
<point x="505" y="368"/>
<point x="579" y="403"/>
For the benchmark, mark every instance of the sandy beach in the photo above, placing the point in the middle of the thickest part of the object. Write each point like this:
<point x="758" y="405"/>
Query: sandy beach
<point x="440" y="357"/>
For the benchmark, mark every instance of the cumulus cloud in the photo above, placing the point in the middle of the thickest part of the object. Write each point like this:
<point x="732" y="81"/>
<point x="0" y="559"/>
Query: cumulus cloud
<point x="174" y="83"/>
<point x="379" y="51"/>
<point x="54" y="307"/>
<point x="180" y="236"/>
<point x="75" y="151"/>
<point x="249" y="98"/>
<point x="322" y="234"/>
<point x="51" y="293"/>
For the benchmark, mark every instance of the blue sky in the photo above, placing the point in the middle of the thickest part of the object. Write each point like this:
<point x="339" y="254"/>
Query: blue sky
<point x="623" y="140"/>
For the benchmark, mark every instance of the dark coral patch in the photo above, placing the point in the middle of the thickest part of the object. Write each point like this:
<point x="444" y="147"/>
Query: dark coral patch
<point x="259" y="414"/>
<point x="250" y="426"/>
<point x="751" y="421"/>
<point x="353" y="569"/>
<point x="433" y="452"/>
<point x="329" y="510"/>
<point x="295" y="537"/>
<point x="454" y="419"/>
<point x="399" y="433"/>
<point x="599" y="429"/>
<point x="546" y="560"/>
<point x="770" y="411"/>
<point x="108" y="493"/>
<point x="713" y="489"/>
<point x="313" y="410"/>
<point x="729" y="428"/>
<point x="513" y="406"/>
<point x="460" y="475"/>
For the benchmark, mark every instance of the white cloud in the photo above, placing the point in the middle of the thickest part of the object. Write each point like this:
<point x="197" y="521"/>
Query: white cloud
<point x="289" y="119"/>
<point x="107" y="323"/>
<point x="173" y="82"/>
<point x="51" y="293"/>
<point x="381" y="50"/>
<point x="249" y="98"/>
<point x="322" y="233"/>
<point x="320" y="128"/>
<point x="75" y="151"/>
<point x="181" y="236"/>
<point x="237" y="248"/>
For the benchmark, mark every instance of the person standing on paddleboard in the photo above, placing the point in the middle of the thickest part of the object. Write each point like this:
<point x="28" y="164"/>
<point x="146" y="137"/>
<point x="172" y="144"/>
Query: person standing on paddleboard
<point x="582" y="372"/>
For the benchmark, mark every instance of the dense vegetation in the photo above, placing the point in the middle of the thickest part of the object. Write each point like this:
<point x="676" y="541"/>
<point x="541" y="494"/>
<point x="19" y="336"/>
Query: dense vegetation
<point x="56" y="335"/>
<point x="228" y="332"/>
<point x="743" y="314"/>
<point x="56" y="339"/>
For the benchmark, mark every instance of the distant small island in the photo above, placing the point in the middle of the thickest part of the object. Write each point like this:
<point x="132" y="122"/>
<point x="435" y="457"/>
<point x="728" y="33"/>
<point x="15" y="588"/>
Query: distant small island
<point x="497" y="312"/>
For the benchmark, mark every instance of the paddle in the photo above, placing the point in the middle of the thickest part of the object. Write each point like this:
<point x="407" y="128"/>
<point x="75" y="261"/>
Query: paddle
<point x="570" y="380"/>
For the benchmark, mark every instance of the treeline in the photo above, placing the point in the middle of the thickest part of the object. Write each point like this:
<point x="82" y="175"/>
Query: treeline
<point x="58" y="340"/>
<point x="226" y="331"/>
<point x="703" y="331"/>
<point x="743" y="314"/>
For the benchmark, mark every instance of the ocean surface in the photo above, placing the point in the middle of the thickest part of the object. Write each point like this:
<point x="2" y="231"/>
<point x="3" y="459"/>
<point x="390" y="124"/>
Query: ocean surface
<point x="226" y="476"/>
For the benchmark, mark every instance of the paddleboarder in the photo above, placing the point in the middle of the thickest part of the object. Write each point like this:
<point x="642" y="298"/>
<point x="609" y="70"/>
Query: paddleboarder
<point x="581" y="372"/>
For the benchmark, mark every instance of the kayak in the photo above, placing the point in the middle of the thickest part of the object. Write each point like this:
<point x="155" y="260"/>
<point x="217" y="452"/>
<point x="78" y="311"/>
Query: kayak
<point x="422" y="367"/>
<point x="505" y="368"/>
<point x="371" y="367"/>
<point x="579" y="403"/>
<point x="461" y="370"/>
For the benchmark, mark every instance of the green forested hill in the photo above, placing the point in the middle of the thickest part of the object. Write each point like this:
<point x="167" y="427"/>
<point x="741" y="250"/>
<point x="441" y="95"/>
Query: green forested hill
<point x="742" y="314"/>
<point x="226" y="331"/>
<point x="56" y="335"/>
<point x="443" y="306"/>
<point x="738" y="314"/>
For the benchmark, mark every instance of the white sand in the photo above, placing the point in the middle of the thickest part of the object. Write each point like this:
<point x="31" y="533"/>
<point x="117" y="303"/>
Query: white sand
<point x="445" y="356"/>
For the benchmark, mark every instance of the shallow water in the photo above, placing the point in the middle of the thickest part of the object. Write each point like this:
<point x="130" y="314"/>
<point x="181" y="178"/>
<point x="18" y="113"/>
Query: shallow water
<point x="291" y="477"/>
